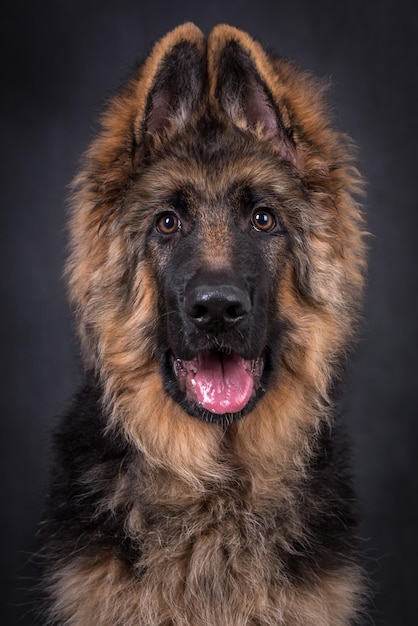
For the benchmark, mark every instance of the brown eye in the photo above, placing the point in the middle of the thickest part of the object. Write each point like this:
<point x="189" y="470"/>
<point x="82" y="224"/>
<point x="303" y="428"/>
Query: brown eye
<point x="168" y="224"/>
<point x="263" y="220"/>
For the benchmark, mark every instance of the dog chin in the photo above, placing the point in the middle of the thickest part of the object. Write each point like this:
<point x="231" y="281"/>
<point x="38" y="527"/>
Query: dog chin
<point x="218" y="386"/>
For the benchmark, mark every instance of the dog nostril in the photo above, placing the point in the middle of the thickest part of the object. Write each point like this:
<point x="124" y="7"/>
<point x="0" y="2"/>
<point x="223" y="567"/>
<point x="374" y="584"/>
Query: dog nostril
<point x="234" y="311"/>
<point x="198" y="311"/>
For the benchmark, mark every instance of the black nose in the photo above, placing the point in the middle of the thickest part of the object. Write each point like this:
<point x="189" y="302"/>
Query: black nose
<point x="217" y="306"/>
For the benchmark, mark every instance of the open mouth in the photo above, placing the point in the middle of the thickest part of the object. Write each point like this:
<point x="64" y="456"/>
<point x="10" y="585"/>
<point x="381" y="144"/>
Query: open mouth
<point x="219" y="382"/>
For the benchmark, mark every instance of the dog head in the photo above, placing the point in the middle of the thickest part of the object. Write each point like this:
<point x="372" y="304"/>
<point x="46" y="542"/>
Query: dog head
<point x="215" y="235"/>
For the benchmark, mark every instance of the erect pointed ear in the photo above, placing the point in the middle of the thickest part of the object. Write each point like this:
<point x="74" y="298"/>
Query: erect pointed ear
<point x="171" y="83"/>
<point x="244" y="84"/>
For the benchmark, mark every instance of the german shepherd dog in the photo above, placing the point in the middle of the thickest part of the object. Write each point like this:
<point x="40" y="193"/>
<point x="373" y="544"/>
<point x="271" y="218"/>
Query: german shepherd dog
<point x="215" y="268"/>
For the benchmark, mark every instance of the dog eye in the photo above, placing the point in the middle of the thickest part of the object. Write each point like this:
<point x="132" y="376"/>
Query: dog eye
<point x="263" y="220"/>
<point x="168" y="224"/>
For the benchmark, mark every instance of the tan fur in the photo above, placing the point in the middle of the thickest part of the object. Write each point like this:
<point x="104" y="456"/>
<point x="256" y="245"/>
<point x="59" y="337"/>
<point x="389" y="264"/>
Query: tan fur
<point x="100" y="591"/>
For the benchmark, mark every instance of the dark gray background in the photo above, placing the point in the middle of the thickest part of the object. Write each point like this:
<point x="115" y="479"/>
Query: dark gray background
<point x="59" y="61"/>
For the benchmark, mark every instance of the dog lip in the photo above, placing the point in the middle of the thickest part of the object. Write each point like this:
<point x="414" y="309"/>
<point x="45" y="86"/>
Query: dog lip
<point x="219" y="381"/>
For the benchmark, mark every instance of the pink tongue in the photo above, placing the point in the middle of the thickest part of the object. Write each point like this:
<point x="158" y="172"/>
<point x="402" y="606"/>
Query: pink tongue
<point x="222" y="383"/>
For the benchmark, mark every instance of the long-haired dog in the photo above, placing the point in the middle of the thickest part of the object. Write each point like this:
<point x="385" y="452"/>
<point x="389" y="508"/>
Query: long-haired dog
<point x="216" y="264"/>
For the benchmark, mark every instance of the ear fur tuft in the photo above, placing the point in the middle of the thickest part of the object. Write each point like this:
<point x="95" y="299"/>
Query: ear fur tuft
<point x="244" y="84"/>
<point x="172" y="81"/>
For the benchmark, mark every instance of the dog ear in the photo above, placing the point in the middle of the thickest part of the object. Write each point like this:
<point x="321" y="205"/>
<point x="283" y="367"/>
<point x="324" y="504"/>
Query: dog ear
<point x="171" y="83"/>
<point x="244" y="84"/>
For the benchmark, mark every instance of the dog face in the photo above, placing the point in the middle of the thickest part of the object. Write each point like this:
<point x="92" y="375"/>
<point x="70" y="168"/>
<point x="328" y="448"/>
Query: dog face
<point x="218" y="235"/>
<point x="215" y="237"/>
<point x="218" y="242"/>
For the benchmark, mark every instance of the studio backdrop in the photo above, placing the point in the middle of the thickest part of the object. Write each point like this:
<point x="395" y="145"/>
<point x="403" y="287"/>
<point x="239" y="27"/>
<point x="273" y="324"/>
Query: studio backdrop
<point x="60" y="60"/>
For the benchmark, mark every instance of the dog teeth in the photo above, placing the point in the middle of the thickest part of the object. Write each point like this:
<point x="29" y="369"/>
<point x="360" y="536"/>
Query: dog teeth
<point x="255" y="368"/>
<point x="176" y="367"/>
<point x="180" y="369"/>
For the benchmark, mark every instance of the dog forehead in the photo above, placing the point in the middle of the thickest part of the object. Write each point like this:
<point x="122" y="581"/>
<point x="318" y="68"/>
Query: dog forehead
<point x="192" y="183"/>
<point x="211" y="154"/>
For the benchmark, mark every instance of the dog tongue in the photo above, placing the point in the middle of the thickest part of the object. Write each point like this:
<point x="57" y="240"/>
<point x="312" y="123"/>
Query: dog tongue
<point x="222" y="383"/>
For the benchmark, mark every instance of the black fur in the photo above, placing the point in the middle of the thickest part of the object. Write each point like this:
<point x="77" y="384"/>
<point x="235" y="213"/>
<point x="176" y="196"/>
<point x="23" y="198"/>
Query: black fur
<point x="83" y="447"/>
